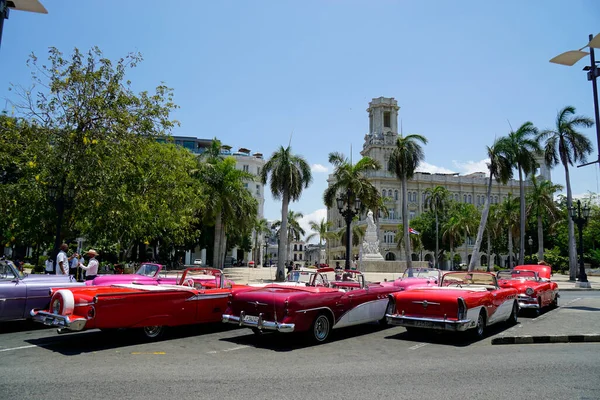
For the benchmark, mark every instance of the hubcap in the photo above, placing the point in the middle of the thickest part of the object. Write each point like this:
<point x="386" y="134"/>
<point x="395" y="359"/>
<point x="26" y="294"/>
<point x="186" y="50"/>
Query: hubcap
<point x="321" y="328"/>
<point x="480" y="325"/>
<point x="152" y="331"/>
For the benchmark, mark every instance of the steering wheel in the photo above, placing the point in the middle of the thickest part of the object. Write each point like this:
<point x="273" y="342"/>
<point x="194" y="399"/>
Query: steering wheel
<point x="189" y="282"/>
<point x="457" y="284"/>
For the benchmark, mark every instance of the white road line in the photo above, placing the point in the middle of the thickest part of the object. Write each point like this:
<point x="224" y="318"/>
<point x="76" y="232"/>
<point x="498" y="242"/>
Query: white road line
<point x="19" y="348"/>
<point x="236" y="348"/>
<point x="418" y="346"/>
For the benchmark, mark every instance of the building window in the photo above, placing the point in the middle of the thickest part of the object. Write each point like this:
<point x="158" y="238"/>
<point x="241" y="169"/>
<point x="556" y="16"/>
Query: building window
<point x="464" y="198"/>
<point x="258" y="190"/>
<point x="383" y="193"/>
<point x="295" y="247"/>
<point x="246" y="168"/>
<point x="258" y="171"/>
<point x="411" y="215"/>
<point x="455" y="196"/>
<point x="387" y="119"/>
<point x="395" y="194"/>
<point x="470" y="200"/>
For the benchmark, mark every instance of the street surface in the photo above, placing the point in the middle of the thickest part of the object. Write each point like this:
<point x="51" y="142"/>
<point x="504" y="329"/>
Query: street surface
<point x="366" y="362"/>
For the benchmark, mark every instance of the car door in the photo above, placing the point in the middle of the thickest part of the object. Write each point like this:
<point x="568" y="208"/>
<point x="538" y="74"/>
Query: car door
<point x="13" y="294"/>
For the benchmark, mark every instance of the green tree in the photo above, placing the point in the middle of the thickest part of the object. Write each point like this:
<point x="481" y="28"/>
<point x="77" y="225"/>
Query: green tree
<point x="403" y="161"/>
<point x="436" y="199"/>
<point x="566" y="145"/>
<point x="261" y="230"/>
<point x="465" y="216"/>
<point x="319" y="229"/>
<point x="540" y="203"/>
<point x="520" y="148"/>
<point x="294" y="230"/>
<point x="509" y="214"/>
<point x="290" y="174"/>
<point x="499" y="168"/>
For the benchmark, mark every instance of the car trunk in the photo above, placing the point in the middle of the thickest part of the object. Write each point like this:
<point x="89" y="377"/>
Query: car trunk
<point x="429" y="303"/>
<point x="270" y="301"/>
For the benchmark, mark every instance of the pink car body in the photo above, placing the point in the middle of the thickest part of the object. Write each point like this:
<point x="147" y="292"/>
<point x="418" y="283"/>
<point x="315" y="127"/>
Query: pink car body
<point x="421" y="277"/>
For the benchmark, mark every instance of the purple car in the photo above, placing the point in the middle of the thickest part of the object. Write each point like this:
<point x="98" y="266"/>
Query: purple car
<point x="20" y="292"/>
<point x="420" y="277"/>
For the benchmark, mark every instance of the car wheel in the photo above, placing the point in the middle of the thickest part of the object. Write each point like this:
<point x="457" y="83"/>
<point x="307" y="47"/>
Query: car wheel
<point x="153" y="332"/>
<point x="479" y="330"/>
<point x="257" y="331"/>
<point x="554" y="303"/>
<point x="514" y="315"/>
<point x="320" y="329"/>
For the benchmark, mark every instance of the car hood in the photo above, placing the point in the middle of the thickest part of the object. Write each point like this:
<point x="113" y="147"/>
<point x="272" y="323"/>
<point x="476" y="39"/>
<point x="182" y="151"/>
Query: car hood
<point x="104" y="280"/>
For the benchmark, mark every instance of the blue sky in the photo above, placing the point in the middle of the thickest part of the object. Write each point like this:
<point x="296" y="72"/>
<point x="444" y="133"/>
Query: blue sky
<point x="253" y="72"/>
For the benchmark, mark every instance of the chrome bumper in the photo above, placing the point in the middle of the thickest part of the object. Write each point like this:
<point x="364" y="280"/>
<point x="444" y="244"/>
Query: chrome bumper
<point x="429" y="323"/>
<point x="62" y="322"/>
<point x="527" y="302"/>
<point x="260" y="324"/>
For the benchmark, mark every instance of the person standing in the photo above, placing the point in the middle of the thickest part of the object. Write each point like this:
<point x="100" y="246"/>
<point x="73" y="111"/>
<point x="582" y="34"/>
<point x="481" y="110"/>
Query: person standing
<point x="91" y="270"/>
<point x="73" y="263"/>
<point x="49" y="266"/>
<point x="62" y="261"/>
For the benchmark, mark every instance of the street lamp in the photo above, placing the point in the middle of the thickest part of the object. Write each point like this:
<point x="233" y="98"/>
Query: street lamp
<point x="22" y="5"/>
<point x="569" y="58"/>
<point x="580" y="219"/>
<point x="530" y="242"/>
<point x="348" y="212"/>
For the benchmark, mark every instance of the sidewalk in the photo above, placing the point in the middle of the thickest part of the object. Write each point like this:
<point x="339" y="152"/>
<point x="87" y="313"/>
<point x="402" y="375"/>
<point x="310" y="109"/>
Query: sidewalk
<point x="265" y="275"/>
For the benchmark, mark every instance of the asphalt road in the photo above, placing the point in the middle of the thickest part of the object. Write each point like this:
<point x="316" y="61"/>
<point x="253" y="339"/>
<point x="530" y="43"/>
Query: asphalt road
<point x="217" y="362"/>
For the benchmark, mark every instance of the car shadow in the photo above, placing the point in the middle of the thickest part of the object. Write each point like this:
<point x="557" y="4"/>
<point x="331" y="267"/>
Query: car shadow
<point x="20" y="326"/>
<point x="286" y="342"/>
<point x="76" y="343"/>
<point x="456" y="339"/>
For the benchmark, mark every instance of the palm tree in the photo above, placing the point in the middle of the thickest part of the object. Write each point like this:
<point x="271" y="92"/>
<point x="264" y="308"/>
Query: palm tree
<point x="465" y="217"/>
<point x="319" y="229"/>
<point x="294" y="230"/>
<point x="436" y="199"/>
<point x="451" y="232"/>
<point x="520" y="148"/>
<point x="352" y="181"/>
<point x="403" y="161"/>
<point x="500" y="169"/>
<point x="567" y="145"/>
<point x="290" y="174"/>
<point x="493" y="231"/>
<point x="261" y="228"/>
<point x="508" y="212"/>
<point x="540" y="202"/>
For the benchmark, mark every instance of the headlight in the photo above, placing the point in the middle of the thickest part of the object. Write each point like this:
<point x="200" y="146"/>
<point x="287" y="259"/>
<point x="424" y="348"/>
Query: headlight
<point x="529" y="291"/>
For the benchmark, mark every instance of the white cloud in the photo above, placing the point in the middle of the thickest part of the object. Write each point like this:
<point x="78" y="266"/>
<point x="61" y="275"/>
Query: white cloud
<point x="472" y="166"/>
<point x="316" y="216"/>
<point x="318" y="168"/>
<point x="432" y="169"/>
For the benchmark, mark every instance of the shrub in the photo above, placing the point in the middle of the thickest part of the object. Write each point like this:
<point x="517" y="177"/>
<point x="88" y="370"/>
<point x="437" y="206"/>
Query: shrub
<point x="558" y="262"/>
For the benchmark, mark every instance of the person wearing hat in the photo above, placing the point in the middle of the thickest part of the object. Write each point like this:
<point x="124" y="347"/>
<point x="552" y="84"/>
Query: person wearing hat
<point x="91" y="270"/>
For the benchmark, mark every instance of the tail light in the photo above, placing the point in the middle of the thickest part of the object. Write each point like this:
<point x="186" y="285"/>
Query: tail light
<point x="286" y="303"/>
<point x="229" y="299"/>
<point x="91" y="312"/>
<point x="391" y="307"/>
<point x="462" y="309"/>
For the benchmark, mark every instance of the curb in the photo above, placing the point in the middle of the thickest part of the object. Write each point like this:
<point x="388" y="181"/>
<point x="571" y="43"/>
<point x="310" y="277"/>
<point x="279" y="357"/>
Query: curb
<point x="529" y="339"/>
<point x="577" y="289"/>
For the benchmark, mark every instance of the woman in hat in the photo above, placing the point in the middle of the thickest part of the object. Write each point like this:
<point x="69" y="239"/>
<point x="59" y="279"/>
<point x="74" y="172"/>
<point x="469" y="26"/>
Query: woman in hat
<point x="92" y="268"/>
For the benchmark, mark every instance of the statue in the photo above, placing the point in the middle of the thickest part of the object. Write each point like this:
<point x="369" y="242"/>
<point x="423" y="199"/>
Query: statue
<point x="370" y="245"/>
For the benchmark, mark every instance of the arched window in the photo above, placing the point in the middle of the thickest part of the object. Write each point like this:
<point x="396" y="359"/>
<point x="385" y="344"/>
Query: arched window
<point x="455" y="196"/>
<point x="383" y="193"/>
<point x="395" y="195"/>
<point x="470" y="200"/>
<point x="464" y="198"/>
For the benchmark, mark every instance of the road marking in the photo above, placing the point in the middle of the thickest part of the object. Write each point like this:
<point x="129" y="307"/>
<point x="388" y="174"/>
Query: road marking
<point x="418" y="346"/>
<point x="236" y="348"/>
<point x="160" y="353"/>
<point x="19" y="348"/>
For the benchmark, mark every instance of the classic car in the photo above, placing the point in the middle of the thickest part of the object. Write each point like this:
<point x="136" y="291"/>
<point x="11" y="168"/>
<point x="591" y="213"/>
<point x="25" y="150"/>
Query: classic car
<point x="463" y="301"/>
<point x="20" y="292"/>
<point x="535" y="291"/>
<point x="327" y="302"/>
<point x="419" y="277"/>
<point x="200" y="296"/>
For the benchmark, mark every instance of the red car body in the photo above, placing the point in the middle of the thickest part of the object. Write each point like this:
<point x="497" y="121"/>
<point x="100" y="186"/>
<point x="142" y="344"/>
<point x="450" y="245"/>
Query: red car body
<point x="420" y="277"/>
<point x="324" y="304"/>
<point x="463" y="301"/>
<point x="533" y="283"/>
<point x="196" y="299"/>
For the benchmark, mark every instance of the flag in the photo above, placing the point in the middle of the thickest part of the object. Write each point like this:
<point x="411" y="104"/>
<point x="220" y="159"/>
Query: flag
<point x="414" y="232"/>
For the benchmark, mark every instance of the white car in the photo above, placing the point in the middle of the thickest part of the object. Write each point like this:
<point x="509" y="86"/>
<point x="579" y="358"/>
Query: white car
<point x="198" y="261"/>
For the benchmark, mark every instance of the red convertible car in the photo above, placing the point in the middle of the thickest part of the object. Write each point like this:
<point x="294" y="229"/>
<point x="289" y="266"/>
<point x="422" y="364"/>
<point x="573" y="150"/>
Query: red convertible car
<point x="328" y="301"/>
<point x="464" y="301"/>
<point x="536" y="291"/>
<point x="201" y="296"/>
<point x="419" y="277"/>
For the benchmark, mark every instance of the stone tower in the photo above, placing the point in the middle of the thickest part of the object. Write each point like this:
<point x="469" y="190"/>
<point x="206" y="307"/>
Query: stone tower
<point x="383" y="128"/>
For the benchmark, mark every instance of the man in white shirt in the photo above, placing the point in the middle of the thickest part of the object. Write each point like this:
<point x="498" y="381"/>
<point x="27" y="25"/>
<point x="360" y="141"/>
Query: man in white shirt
<point x="49" y="267"/>
<point x="62" y="261"/>
<point x="91" y="270"/>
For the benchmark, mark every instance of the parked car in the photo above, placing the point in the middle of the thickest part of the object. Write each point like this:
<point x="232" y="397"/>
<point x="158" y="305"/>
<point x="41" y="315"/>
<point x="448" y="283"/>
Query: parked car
<point x="146" y="274"/>
<point x="20" y="292"/>
<point x="419" y="277"/>
<point x="535" y="291"/>
<point x="316" y="308"/>
<point x="200" y="296"/>
<point x="464" y="301"/>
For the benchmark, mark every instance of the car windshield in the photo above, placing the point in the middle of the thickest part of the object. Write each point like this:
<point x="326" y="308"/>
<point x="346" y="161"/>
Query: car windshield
<point x="8" y="271"/>
<point x="516" y="274"/>
<point x="422" y="273"/>
<point x="147" y="270"/>
<point x="298" y="276"/>
<point x="201" y="278"/>
<point x="468" y="278"/>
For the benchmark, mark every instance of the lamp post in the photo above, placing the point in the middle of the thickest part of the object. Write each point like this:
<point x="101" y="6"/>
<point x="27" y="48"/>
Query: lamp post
<point x="22" y="5"/>
<point x="530" y="242"/>
<point x="571" y="57"/>
<point x="580" y="219"/>
<point x="348" y="211"/>
<point x="266" y="251"/>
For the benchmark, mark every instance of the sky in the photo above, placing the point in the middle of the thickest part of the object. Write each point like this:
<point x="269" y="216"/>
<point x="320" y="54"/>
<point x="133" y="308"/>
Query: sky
<point x="263" y="74"/>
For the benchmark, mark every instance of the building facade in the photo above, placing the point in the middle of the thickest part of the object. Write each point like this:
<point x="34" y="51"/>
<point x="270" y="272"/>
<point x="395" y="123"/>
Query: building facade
<point x="378" y="144"/>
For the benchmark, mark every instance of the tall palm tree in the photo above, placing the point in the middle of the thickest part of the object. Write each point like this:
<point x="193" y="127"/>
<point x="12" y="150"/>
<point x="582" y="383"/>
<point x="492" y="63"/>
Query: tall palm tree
<point x="520" y="148"/>
<point x="319" y="229"/>
<point x="566" y="145"/>
<point x="451" y="232"/>
<point x="353" y="181"/>
<point x="493" y="231"/>
<point x="466" y="216"/>
<point x="436" y="199"/>
<point x="540" y="202"/>
<point x="290" y="174"/>
<point x="261" y="228"/>
<point x="499" y="168"/>
<point x="294" y="230"/>
<point x="403" y="161"/>
<point x="509" y="214"/>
